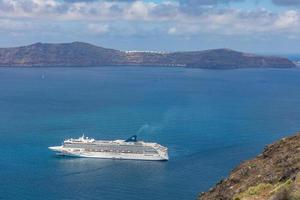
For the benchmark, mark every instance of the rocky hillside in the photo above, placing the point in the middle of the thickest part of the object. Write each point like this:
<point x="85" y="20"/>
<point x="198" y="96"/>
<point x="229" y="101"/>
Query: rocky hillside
<point x="272" y="175"/>
<point x="83" y="54"/>
<point x="70" y="54"/>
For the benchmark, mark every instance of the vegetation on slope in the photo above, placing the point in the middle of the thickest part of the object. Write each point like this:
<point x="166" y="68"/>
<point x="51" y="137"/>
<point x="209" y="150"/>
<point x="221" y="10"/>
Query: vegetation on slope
<point x="273" y="175"/>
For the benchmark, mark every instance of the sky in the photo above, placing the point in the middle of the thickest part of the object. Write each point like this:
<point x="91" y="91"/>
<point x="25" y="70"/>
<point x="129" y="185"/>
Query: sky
<point x="257" y="26"/>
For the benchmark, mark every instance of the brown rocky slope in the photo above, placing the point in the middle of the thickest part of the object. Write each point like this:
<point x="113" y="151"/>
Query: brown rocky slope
<point x="272" y="175"/>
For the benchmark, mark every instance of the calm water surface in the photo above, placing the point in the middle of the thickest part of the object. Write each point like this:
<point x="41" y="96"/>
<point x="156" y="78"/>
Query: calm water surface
<point x="210" y="120"/>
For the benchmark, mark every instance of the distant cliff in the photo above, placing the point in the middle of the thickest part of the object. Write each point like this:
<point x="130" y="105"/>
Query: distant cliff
<point x="83" y="54"/>
<point x="273" y="175"/>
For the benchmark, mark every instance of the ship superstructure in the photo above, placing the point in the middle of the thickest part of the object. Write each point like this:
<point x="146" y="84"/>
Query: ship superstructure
<point x="131" y="149"/>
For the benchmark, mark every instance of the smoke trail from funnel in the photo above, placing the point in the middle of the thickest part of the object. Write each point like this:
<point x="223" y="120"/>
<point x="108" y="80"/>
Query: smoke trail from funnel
<point x="147" y="129"/>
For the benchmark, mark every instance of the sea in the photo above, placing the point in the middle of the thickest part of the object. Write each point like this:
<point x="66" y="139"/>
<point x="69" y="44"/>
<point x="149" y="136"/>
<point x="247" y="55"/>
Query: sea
<point x="211" y="121"/>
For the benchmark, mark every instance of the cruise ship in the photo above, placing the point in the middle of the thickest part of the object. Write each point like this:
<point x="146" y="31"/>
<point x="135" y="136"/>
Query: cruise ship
<point x="130" y="149"/>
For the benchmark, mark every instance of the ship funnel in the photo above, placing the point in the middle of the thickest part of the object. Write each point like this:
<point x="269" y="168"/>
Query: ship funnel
<point x="132" y="139"/>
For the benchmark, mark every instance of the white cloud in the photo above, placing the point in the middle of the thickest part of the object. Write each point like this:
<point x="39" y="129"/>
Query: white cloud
<point x="237" y="22"/>
<point x="98" y="28"/>
<point x="14" y="25"/>
<point x="172" y="30"/>
<point x="169" y="17"/>
<point x="138" y="10"/>
<point x="288" y="19"/>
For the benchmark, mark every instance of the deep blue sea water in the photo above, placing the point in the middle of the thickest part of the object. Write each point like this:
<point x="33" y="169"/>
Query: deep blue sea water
<point x="211" y="120"/>
<point x="293" y="57"/>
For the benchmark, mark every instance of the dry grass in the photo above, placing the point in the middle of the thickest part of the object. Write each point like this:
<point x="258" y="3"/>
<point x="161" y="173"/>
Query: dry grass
<point x="265" y="191"/>
<point x="262" y="190"/>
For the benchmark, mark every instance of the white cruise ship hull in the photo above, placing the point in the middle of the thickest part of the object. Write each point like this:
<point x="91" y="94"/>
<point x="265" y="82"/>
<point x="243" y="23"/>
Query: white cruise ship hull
<point x="107" y="155"/>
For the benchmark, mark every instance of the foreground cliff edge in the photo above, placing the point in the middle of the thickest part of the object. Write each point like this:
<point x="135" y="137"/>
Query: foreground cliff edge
<point x="84" y="54"/>
<point x="272" y="175"/>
